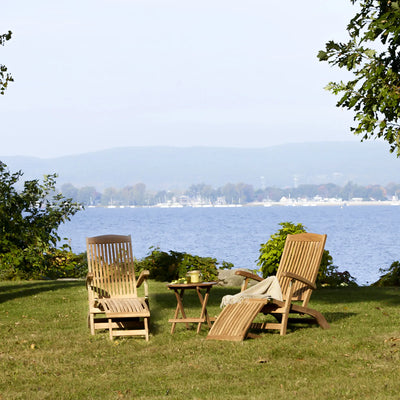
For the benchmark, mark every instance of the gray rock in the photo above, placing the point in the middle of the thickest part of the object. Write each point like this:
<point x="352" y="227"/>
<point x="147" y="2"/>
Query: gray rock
<point x="227" y="277"/>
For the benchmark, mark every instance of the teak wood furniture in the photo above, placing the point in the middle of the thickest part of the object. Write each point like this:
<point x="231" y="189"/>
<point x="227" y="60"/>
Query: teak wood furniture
<point x="297" y="273"/>
<point x="179" y="289"/>
<point x="112" y="288"/>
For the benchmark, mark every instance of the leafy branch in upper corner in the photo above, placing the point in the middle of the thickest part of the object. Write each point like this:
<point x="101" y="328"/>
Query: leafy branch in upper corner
<point x="372" y="54"/>
<point x="5" y="77"/>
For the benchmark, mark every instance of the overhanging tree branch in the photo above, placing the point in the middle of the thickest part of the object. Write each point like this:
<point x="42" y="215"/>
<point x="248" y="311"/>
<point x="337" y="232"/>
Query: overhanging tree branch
<point x="5" y="77"/>
<point x="373" y="55"/>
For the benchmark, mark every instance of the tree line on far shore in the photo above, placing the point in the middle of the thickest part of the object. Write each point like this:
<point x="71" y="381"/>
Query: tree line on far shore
<point x="239" y="193"/>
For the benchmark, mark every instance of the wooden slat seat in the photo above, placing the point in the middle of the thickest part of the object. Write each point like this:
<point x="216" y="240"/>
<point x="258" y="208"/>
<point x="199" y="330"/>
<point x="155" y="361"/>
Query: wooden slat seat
<point x="235" y="320"/>
<point x="112" y="287"/>
<point x="297" y="273"/>
<point x="120" y="307"/>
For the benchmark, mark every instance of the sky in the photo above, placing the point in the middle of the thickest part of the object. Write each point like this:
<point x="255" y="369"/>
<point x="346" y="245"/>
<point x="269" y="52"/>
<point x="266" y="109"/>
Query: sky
<point x="97" y="74"/>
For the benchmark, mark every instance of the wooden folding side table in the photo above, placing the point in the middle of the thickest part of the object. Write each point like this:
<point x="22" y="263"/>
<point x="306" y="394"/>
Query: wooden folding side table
<point x="179" y="289"/>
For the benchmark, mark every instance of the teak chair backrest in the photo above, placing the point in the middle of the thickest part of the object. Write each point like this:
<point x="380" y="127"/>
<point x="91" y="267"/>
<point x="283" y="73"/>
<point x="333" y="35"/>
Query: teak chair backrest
<point x="302" y="255"/>
<point x="110" y="260"/>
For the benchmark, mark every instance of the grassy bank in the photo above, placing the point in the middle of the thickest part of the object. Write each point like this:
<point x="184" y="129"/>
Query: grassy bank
<point x="47" y="352"/>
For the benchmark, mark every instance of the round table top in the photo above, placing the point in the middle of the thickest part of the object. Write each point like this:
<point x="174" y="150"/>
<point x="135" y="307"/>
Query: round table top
<point x="190" y="285"/>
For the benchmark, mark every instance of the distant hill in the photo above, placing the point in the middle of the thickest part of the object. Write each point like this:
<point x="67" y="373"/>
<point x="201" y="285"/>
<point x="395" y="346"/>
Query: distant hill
<point x="178" y="168"/>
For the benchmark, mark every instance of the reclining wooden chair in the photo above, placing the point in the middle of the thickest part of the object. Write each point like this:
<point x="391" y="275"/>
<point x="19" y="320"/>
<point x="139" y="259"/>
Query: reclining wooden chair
<point x="297" y="273"/>
<point x="112" y="288"/>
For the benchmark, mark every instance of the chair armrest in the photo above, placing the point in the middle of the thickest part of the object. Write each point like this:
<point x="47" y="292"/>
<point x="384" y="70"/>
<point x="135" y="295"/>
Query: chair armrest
<point x="89" y="279"/>
<point x="142" y="277"/>
<point x="247" y="275"/>
<point x="299" y="278"/>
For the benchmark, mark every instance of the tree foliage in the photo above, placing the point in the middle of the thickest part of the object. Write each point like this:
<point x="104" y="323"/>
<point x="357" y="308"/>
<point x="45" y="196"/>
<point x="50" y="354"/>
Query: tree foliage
<point x="372" y="55"/>
<point x="390" y="277"/>
<point x="5" y="77"/>
<point x="271" y="253"/>
<point x="29" y="219"/>
<point x="172" y="265"/>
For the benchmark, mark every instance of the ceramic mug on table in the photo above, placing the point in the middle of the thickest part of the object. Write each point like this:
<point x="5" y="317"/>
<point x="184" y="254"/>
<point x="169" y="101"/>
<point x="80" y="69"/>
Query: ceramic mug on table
<point x="194" y="276"/>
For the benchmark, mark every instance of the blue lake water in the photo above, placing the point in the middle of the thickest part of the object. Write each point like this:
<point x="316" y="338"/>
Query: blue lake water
<point x="361" y="239"/>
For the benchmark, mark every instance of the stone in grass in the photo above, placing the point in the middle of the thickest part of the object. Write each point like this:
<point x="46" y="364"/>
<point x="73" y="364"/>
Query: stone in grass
<point x="227" y="277"/>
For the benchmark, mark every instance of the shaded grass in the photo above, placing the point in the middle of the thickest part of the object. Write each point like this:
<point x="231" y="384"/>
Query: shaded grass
<point x="47" y="352"/>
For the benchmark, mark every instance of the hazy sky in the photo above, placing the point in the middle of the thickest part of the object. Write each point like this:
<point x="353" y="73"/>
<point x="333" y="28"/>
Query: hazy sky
<point x="96" y="74"/>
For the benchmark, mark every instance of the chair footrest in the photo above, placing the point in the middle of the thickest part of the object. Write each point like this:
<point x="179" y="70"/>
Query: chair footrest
<point x="135" y="332"/>
<point x="185" y="320"/>
<point x="235" y="320"/>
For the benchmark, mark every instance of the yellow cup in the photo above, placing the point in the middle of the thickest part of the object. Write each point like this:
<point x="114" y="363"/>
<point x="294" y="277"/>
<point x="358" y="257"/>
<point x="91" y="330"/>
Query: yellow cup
<point x="194" y="276"/>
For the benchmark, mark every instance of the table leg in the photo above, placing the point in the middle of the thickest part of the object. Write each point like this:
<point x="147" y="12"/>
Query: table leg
<point x="203" y="301"/>
<point x="179" y="307"/>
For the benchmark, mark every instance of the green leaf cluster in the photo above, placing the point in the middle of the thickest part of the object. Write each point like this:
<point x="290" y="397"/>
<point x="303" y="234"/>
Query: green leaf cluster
<point x="390" y="277"/>
<point x="29" y="219"/>
<point x="5" y="77"/>
<point x="271" y="253"/>
<point x="172" y="265"/>
<point x="372" y="54"/>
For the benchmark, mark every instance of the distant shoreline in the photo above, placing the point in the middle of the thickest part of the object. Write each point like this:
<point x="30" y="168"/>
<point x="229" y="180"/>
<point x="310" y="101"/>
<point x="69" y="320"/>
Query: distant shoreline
<point x="293" y="203"/>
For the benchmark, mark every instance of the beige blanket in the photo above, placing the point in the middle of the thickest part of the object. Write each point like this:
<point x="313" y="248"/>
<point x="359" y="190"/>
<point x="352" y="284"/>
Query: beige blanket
<point x="269" y="288"/>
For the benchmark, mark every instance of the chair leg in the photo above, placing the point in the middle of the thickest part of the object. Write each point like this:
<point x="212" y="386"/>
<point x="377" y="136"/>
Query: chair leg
<point x="110" y="328"/>
<point x="284" y="322"/>
<point x="146" y="327"/>
<point x="91" y="323"/>
<point x="286" y="311"/>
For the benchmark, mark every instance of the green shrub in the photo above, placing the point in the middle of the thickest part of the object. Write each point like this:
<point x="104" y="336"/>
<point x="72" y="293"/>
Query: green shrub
<point x="271" y="253"/>
<point x="172" y="265"/>
<point x="42" y="262"/>
<point x="390" y="277"/>
<point x="29" y="220"/>
<point x="63" y="263"/>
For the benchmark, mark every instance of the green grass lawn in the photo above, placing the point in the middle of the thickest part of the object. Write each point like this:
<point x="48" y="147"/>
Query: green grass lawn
<point x="47" y="352"/>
